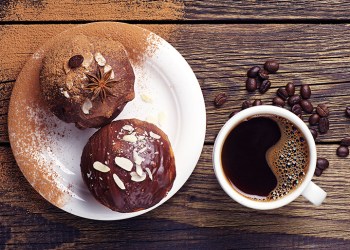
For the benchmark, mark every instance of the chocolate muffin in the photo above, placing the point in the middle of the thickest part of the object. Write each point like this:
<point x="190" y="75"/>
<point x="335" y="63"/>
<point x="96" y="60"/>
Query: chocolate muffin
<point x="87" y="80"/>
<point x="128" y="165"/>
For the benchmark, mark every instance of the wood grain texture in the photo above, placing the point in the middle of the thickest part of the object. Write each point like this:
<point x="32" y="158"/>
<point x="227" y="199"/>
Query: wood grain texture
<point x="90" y="10"/>
<point x="200" y="215"/>
<point x="220" y="55"/>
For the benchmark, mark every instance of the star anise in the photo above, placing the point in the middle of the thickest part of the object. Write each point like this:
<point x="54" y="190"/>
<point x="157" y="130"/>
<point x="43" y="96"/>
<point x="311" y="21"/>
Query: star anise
<point x="100" y="84"/>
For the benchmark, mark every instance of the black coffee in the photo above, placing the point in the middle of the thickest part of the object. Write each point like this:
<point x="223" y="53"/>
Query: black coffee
<point x="265" y="157"/>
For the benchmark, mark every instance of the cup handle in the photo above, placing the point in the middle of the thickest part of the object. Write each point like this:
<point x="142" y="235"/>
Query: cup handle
<point x="314" y="194"/>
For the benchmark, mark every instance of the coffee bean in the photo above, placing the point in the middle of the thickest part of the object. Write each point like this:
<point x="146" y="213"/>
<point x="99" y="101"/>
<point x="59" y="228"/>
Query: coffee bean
<point x="290" y="87"/>
<point x="318" y="172"/>
<point x="251" y="84"/>
<point x="347" y="111"/>
<point x="345" y="142"/>
<point x="263" y="74"/>
<point x="323" y="125"/>
<point x="295" y="99"/>
<point x="264" y="87"/>
<point x="278" y="101"/>
<point x="314" y="133"/>
<point x="233" y="113"/>
<point x="322" y="163"/>
<point x="271" y="66"/>
<point x="75" y="61"/>
<point x="253" y="72"/>
<point x="305" y="91"/>
<point x="220" y="99"/>
<point x="296" y="109"/>
<point x="257" y="102"/>
<point x="314" y="119"/>
<point x="342" y="151"/>
<point x="322" y="110"/>
<point x="282" y="92"/>
<point x="246" y="104"/>
<point x="307" y="106"/>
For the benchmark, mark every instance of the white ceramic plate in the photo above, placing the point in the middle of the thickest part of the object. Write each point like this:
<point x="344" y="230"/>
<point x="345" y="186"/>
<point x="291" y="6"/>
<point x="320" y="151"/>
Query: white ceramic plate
<point x="48" y="150"/>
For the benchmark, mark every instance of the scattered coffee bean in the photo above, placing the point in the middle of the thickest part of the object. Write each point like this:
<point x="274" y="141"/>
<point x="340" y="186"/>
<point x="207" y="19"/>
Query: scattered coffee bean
<point x="290" y="87"/>
<point x="295" y="99"/>
<point x="251" y="84"/>
<point x="318" y="172"/>
<point x="257" y="102"/>
<point x="233" y="113"/>
<point x="322" y="163"/>
<point x="264" y="87"/>
<point x="253" y="72"/>
<point x="345" y="142"/>
<point x="278" y="101"/>
<point x="323" y="125"/>
<point x="342" y="151"/>
<point x="307" y="106"/>
<point x="347" y="111"/>
<point x="314" y="133"/>
<point x="314" y="119"/>
<point x="282" y="92"/>
<point x="246" y="104"/>
<point x="296" y="109"/>
<point x="305" y="91"/>
<point x="263" y="74"/>
<point x="322" y="110"/>
<point x="271" y="66"/>
<point x="220" y="99"/>
<point x="75" y="61"/>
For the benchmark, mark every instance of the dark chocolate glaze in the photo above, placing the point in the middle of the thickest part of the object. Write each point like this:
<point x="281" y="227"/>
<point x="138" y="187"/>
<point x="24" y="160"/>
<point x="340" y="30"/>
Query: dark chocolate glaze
<point x="106" y="144"/>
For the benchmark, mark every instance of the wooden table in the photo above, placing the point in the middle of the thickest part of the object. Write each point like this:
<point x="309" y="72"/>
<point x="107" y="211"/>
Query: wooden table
<point x="220" y="40"/>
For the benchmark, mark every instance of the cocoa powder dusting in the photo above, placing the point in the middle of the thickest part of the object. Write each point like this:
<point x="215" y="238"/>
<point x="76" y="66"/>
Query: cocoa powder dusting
<point x="13" y="10"/>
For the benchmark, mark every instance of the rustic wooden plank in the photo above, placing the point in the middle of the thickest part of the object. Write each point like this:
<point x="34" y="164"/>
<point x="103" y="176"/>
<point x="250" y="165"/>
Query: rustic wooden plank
<point x="90" y="10"/>
<point x="220" y="56"/>
<point x="199" y="215"/>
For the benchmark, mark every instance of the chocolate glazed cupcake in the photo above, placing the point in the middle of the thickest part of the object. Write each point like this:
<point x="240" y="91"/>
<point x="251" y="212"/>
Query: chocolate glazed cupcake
<point x="87" y="80"/>
<point x="128" y="165"/>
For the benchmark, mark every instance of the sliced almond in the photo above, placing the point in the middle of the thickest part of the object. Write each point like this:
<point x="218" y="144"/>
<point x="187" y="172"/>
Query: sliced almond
<point x="66" y="94"/>
<point x="108" y="68"/>
<point x="130" y="138"/>
<point x="128" y="128"/>
<point x="146" y="98"/>
<point x="69" y="84"/>
<point x="88" y="59"/>
<point x="155" y="136"/>
<point x="87" y="105"/>
<point x="141" y="137"/>
<point x="100" y="59"/>
<point x="101" y="167"/>
<point x="135" y="177"/>
<point x="139" y="170"/>
<point x="137" y="159"/>
<point x="119" y="182"/>
<point x="149" y="173"/>
<point x="124" y="163"/>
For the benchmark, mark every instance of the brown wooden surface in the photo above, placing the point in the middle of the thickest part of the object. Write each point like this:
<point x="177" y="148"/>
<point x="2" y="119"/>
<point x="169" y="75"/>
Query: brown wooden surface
<point x="200" y="215"/>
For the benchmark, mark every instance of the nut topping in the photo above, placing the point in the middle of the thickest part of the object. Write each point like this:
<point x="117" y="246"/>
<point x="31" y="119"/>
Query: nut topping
<point x="124" y="163"/>
<point x="149" y="173"/>
<point x="101" y="167"/>
<point x="119" y="182"/>
<point x="155" y="136"/>
<point x="87" y="105"/>
<point x="130" y="138"/>
<point x="136" y="178"/>
<point x="100" y="59"/>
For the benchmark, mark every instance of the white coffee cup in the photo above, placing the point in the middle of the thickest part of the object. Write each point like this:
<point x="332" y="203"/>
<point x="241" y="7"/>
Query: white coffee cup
<point x="307" y="188"/>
